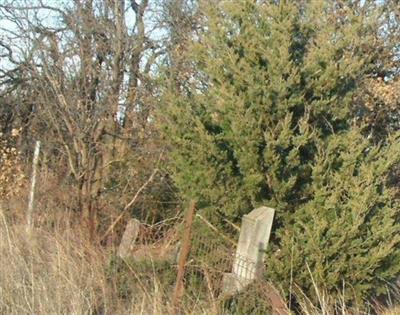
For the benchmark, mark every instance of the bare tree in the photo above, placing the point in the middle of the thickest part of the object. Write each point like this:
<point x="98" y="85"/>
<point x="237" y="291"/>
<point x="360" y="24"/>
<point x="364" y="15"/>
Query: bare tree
<point x="89" y="65"/>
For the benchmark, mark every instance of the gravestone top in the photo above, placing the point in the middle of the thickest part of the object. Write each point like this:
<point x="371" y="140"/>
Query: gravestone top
<point x="262" y="213"/>
<point x="254" y="233"/>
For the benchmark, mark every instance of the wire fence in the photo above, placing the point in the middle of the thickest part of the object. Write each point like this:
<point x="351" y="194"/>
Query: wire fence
<point x="213" y="272"/>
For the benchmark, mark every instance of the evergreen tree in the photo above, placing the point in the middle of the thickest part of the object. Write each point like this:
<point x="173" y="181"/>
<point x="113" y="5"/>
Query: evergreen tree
<point x="268" y="119"/>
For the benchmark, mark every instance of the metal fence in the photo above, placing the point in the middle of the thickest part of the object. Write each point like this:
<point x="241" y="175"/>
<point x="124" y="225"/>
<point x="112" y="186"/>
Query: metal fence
<point x="215" y="271"/>
<point x="212" y="268"/>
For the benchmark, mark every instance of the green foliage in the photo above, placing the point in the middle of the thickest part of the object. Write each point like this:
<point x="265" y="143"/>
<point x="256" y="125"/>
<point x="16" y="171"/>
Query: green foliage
<point x="271" y="80"/>
<point x="346" y="237"/>
<point x="269" y="119"/>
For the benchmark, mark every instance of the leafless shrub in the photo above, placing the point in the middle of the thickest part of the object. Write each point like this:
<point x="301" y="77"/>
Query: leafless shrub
<point x="11" y="173"/>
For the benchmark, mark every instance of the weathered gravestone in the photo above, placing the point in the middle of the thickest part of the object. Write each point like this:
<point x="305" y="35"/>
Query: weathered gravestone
<point x="249" y="258"/>
<point x="165" y="250"/>
<point x="129" y="238"/>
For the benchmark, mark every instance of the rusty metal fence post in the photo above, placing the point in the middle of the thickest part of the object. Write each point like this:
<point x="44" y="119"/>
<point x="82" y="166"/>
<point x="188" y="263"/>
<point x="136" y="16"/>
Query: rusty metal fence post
<point x="184" y="253"/>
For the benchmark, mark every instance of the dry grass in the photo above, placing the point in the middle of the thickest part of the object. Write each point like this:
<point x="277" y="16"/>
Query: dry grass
<point x="393" y="311"/>
<point x="58" y="272"/>
<point x="47" y="273"/>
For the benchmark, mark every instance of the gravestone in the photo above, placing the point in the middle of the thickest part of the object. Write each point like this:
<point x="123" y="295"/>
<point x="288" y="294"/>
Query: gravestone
<point x="128" y="238"/>
<point x="249" y="258"/>
<point x="166" y="250"/>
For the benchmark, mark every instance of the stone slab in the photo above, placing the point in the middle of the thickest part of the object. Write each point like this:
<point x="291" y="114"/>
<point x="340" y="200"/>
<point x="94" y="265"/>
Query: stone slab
<point x="129" y="238"/>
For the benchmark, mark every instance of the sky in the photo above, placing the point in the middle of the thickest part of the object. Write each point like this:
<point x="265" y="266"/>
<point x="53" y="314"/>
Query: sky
<point x="49" y="18"/>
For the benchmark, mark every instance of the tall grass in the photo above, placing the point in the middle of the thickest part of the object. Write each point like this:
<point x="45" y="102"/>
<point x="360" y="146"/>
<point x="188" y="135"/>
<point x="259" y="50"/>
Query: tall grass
<point x="59" y="272"/>
<point x="43" y="273"/>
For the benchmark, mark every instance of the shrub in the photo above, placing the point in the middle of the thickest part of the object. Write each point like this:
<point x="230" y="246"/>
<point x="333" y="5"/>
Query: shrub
<point x="268" y="119"/>
<point x="11" y="174"/>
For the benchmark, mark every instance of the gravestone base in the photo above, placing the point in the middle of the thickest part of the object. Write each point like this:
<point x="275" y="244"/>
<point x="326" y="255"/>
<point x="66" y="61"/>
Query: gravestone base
<point x="232" y="285"/>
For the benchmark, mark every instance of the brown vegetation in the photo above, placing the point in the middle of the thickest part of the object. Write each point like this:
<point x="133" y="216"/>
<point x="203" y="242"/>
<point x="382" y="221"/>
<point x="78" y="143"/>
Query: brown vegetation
<point x="88" y="82"/>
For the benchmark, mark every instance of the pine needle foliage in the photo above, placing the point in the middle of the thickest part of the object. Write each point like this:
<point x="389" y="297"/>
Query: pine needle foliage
<point x="345" y="239"/>
<point x="267" y="119"/>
